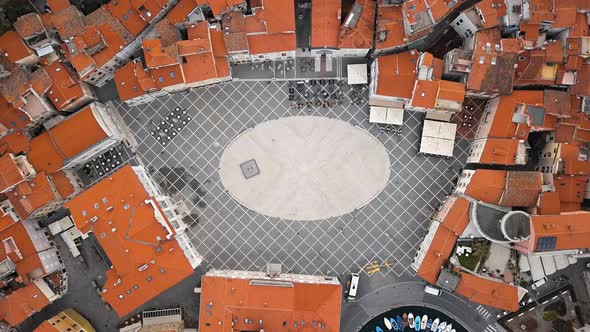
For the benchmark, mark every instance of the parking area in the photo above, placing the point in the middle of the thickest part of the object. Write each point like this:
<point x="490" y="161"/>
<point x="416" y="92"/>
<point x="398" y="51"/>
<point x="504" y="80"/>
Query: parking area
<point x="230" y="236"/>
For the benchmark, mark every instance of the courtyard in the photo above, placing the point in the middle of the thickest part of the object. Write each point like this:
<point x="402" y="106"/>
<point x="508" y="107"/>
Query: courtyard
<point x="230" y="236"/>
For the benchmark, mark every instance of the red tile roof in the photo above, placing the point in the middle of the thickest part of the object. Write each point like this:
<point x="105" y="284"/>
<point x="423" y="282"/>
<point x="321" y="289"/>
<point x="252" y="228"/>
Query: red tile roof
<point x="30" y="196"/>
<point x="226" y="301"/>
<point x="22" y="304"/>
<point x="389" y="27"/>
<point x="488" y="292"/>
<point x="11" y="174"/>
<point x="13" y="46"/>
<point x="360" y="35"/>
<point x="570" y="229"/>
<point x="66" y="140"/>
<point x="325" y="23"/>
<point x="66" y="89"/>
<point x="397" y="74"/>
<point x="28" y="25"/>
<point x="146" y="259"/>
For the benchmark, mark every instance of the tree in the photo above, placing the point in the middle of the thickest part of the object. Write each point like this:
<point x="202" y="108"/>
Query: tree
<point x="481" y="249"/>
<point x="561" y="325"/>
<point x="550" y="315"/>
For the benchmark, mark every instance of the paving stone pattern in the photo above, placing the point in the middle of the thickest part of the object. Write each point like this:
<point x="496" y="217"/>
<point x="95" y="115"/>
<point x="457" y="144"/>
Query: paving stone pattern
<point x="233" y="237"/>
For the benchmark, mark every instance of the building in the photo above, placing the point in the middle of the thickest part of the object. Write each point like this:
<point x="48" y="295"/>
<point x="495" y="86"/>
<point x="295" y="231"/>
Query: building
<point x="15" y="170"/>
<point x="486" y="64"/>
<point x="485" y="14"/>
<point x="66" y="321"/>
<point x="66" y="93"/>
<point x="162" y="320"/>
<point x="23" y="103"/>
<point x="358" y="30"/>
<point x="31" y="29"/>
<point x="78" y="138"/>
<point x="140" y="232"/>
<point x="15" y="49"/>
<point x="264" y="34"/>
<point x="31" y="272"/>
<point x="173" y="65"/>
<point x="253" y="301"/>
<point x="325" y="26"/>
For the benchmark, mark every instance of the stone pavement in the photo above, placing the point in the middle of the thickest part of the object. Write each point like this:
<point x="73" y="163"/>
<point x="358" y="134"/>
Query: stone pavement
<point x="233" y="237"/>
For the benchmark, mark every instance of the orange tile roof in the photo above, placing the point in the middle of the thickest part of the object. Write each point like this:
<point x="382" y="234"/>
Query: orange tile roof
<point x="273" y="14"/>
<point x="532" y="69"/>
<point x="571" y="230"/>
<point x="439" y="8"/>
<point x="269" y="43"/>
<point x="412" y="9"/>
<point x="570" y="187"/>
<point x="488" y="292"/>
<point x="68" y="22"/>
<point x="521" y="189"/>
<point x="549" y="203"/>
<point x="13" y="87"/>
<point x="582" y="86"/>
<point x="219" y="7"/>
<point x="15" y="142"/>
<point x="491" y="11"/>
<point x="325" y="23"/>
<point x="397" y="74"/>
<point x="502" y="125"/>
<point x="11" y="117"/>
<point x="28" y="25"/>
<point x="220" y="53"/>
<point x="22" y="304"/>
<point x="361" y="34"/>
<point x="453" y="218"/>
<point x="554" y="52"/>
<point x="181" y="10"/>
<point x="541" y="10"/>
<point x="389" y="27"/>
<point x="65" y="89"/>
<point x="11" y="174"/>
<point x="129" y="17"/>
<point x="81" y="62"/>
<point x="27" y="260"/>
<point x="570" y="154"/>
<point x="499" y="151"/>
<point x="57" y="5"/>
<point x="30" y="196"/>
<point x="102" y="15"/>
<point x="146" y="259"/>
<point x="127" y="81"/>
<point x="66" y="140"/>
<point x="488" y="77"/>
<point x="487" y="185"/>
<point x="13" y="47"/>
<point x="157" y="56"/>
<point x="234" y="299"/>
<point x="425" y="94"/>
<point x="62" y="183"/>
<point x="41" y="81"/>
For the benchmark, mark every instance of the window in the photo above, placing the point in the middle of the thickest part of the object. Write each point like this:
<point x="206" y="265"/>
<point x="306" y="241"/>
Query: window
<point x="172" y="74"/>
<point x="546" y="243"/>
<point x="130" y="11"/>
<point x="125" y="17"/>
<point x="161" y="79"/>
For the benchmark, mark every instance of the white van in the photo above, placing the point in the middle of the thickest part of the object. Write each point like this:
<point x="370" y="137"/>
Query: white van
<point x="354" y="283"/>
<point x="432" y="290"/>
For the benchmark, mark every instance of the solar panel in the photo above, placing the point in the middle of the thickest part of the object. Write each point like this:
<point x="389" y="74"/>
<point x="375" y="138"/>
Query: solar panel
<point x="546" y="243"/>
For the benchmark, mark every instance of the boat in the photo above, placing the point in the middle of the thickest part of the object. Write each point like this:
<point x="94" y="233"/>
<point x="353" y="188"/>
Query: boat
<point x="434" y="326"/>
<point x="449" y="327"/>
<point x="424" y="322"/>
<point x="442" y="327"/>
<point x="428" y="324"/>
<point x="400" y="323"/>
<point x="394" y="324"/>
<point x="417" y="323"/>
<point x="405" y="318"/>
<point x="378" y="329"/>
<point x="387" y="323"/>
<point x="411" y="320"/>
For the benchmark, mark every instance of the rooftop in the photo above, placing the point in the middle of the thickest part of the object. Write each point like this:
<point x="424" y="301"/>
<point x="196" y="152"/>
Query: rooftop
<point x="136" y="236"/>
<point x="233" y="300"/>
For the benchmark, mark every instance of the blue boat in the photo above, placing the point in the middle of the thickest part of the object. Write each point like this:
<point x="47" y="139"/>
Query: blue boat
<point x="400" y="322"/>
<point x="428" y="324"/>
<point x="394" y="324"/>
<point x="378" y="329"/>
<point x="417" y="324"/>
